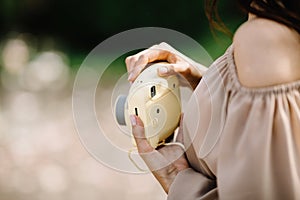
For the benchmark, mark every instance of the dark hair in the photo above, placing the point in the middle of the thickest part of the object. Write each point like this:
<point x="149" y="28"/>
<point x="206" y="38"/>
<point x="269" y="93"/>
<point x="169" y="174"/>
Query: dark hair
<point x="283" y="11"/>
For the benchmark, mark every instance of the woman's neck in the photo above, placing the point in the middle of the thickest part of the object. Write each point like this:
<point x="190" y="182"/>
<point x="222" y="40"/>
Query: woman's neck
<point x="251" y="16"/>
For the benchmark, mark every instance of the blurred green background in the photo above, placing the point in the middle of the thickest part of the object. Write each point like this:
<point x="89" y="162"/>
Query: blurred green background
<point x="42" y="44"/>
<point x="78" y="26"/>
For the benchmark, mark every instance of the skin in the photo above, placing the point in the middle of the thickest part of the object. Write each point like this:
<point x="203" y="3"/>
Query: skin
<point x="266" y="54"/>
<point x="155" y="158"/>
<point x="178" y="63"/>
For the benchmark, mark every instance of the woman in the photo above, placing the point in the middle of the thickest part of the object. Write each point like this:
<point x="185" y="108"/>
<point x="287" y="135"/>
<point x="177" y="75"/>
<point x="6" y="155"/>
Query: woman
<point x="245" y="143"/>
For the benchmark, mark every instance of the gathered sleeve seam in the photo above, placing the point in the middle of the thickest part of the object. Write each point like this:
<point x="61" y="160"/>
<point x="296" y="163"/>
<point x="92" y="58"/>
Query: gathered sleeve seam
<point x="236" y="85"/>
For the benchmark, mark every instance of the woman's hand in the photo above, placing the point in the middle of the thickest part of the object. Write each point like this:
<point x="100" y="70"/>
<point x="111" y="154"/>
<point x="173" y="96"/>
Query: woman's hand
<point x="178" y="63"/>
<point x="166" y="162"/>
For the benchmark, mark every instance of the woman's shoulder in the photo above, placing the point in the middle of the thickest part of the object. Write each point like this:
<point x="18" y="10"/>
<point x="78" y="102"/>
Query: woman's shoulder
<point x="266" y="53"/>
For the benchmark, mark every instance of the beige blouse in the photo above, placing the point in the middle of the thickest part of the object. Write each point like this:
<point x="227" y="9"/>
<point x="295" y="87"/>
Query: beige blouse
<point x="243" y="143"/>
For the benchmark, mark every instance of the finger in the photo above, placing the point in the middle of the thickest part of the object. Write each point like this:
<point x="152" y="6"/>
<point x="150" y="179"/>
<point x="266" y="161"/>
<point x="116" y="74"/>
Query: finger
<point x="138" y="132"/>
<point x="137" y="67"/>
<point x="195" y="68"/>
<point x="166" y="46"/>
<point x="166" y="70"/>
<point x="181" y="67"/>
<point x="180" y="130"/>
<point x="129" y="61"/>
<point x="173" y="68"/>
<point x="140" y="61"/>
<point x="153" y="159"/>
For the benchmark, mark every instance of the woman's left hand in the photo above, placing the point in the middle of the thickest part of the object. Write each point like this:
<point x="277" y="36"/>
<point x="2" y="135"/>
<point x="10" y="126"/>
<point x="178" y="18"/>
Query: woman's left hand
<point x="165" y="162"/>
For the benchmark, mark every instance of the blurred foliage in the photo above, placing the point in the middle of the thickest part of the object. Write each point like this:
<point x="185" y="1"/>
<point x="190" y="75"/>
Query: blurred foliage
<point x="76" y="26"/>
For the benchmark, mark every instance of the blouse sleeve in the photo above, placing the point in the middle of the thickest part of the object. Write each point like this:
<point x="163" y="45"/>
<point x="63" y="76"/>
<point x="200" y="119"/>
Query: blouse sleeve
<point x="248" y="138"/>
<point x="192" y="185"/>
<point x="259" y="152"/>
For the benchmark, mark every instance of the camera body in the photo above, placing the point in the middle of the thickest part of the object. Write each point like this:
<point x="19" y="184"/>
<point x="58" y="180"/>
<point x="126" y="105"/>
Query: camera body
<point x="156" y="100"/>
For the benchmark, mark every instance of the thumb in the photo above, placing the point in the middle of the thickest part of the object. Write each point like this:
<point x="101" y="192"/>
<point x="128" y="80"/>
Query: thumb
<point x="166" y="70"/>
<point x="138" y="132"/>
<point x="174" y="68"/>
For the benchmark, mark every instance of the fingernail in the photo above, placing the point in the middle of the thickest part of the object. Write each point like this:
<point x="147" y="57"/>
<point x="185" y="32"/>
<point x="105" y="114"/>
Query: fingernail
<point x="133" y="120"/>
<point x="130" y="76"/>
<point x="163" y="70"/>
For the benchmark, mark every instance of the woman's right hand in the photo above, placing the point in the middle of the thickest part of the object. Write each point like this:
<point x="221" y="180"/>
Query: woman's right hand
<point x="178" y="63"/>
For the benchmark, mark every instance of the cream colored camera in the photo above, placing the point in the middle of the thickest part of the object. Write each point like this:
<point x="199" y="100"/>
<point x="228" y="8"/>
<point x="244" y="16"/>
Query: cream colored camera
<point x="156" y="100"/>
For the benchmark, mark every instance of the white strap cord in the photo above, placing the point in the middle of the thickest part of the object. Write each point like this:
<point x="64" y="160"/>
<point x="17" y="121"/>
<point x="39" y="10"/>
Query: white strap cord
<point x="174" y="142"/>
<point x="133" y="162"/>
